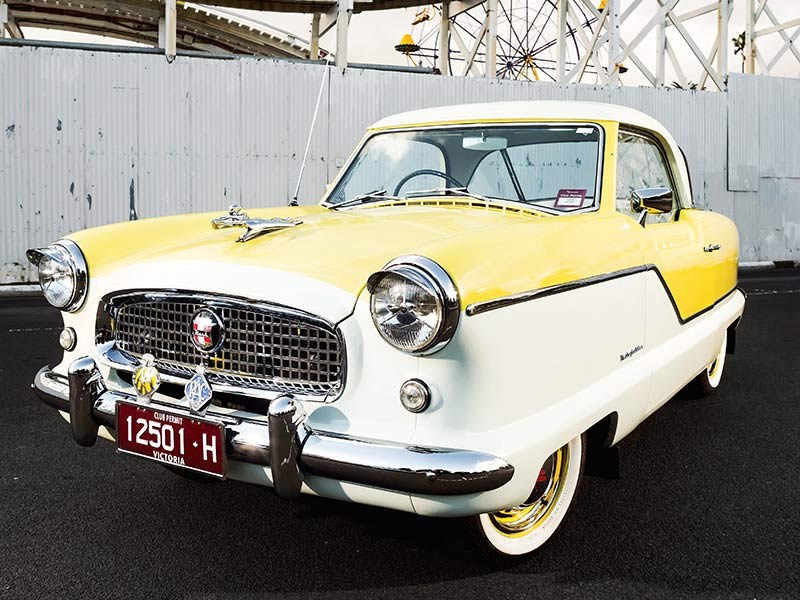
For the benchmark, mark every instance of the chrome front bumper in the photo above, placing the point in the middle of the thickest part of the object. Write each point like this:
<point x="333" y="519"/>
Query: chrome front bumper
<point x="286" y="444"/>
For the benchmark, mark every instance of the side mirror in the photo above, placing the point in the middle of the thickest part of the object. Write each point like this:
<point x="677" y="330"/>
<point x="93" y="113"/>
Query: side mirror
<point x="651" y="201"/>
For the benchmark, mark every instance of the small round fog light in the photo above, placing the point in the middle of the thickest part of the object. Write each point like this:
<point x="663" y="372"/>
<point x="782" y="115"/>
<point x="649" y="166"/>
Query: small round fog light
<point x="67" y="338"/>
<point x="415" y="395"/>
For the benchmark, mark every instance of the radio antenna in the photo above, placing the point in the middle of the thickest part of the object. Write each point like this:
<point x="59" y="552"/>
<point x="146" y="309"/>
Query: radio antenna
<point x="293" y="201"/>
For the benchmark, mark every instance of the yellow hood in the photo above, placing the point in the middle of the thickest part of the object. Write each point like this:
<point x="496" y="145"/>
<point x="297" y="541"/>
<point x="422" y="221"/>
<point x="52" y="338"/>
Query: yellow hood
<point x="488" y="252"/>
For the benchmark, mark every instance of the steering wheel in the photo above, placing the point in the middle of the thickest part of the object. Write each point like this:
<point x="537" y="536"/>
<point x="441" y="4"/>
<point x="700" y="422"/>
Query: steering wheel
<point x="419" y="172"/>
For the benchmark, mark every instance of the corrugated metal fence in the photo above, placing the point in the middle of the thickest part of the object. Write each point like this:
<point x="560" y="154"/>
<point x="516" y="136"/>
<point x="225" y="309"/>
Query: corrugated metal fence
<point x="90" y="137"/>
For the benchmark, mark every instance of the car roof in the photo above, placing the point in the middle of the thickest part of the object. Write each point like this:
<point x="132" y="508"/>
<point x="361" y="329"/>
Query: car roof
<point x="521" y="111"/>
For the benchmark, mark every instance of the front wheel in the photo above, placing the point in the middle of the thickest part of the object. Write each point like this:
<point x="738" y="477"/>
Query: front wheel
<point x="515" y="532"/>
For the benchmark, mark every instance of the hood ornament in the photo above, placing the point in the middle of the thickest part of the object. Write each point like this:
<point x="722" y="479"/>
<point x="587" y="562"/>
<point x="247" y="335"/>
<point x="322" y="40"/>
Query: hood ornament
<point x="236" y="217"/>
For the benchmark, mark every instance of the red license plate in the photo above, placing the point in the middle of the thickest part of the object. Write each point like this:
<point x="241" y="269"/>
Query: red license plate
<point x="171" y="439"/>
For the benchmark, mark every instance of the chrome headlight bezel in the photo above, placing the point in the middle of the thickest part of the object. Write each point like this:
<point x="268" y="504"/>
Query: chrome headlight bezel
<point x="69" y="255"/>
<point x="432" y="278"/>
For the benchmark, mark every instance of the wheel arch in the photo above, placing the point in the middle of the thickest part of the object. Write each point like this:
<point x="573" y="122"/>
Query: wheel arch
<point x="731" y="348"/>
<point x="602" y="456"/>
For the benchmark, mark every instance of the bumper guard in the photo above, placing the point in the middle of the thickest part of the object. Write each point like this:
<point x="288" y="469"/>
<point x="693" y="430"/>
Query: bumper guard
<point x="286" y="444"/>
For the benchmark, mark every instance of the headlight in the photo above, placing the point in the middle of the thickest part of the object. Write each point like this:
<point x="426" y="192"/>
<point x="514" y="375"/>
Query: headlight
<point x="414" y="304"/>
<point x="62" y="274"/>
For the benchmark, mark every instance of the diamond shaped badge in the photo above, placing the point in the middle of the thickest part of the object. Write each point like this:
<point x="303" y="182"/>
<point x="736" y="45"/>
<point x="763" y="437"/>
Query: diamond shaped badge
<point x="198" y="392"/>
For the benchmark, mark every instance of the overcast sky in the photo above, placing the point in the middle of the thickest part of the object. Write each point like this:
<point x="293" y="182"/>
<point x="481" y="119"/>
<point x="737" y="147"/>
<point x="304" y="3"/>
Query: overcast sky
<point x="374" y="34"/>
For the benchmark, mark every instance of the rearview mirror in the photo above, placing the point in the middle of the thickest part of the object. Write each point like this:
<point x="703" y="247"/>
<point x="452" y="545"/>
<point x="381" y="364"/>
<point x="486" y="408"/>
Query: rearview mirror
<point x="483" y="143"/>
<point x="651" y="201"/>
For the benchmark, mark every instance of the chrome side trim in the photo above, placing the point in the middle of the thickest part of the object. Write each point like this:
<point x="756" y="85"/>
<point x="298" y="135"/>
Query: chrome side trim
<point x="291" y="449"/>
<point x="482" y="307"/>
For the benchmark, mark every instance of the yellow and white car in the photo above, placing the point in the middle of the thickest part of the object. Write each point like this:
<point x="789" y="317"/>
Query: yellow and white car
<point x="486" y="294"/>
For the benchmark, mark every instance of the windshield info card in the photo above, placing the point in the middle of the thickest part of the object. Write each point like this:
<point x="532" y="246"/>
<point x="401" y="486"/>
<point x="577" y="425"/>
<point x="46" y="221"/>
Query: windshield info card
<point x="570" y="198"/>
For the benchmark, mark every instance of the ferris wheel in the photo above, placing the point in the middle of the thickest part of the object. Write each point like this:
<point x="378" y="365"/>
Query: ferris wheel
<point x="526" y="39"/>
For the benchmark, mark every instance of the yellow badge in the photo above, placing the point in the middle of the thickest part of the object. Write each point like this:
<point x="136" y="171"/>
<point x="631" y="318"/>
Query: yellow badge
<point x="147" y="379"/>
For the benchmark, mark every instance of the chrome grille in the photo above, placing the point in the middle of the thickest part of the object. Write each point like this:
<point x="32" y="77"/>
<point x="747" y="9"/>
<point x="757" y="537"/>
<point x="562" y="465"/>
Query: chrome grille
<point x="265" y="347"/>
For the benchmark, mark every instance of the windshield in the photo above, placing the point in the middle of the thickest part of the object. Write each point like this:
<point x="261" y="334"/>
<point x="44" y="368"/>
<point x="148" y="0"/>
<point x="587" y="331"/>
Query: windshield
<point x="550" y="167"/>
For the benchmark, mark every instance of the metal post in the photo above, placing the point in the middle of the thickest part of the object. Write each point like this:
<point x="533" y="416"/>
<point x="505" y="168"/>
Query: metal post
<point x="561" y="47"/>
<point x="162" y="33"/>
<point x="749" y="39"/>
<point x="3" y="18"/>
<point x="491" y="39"/>
<point x="613" y="41"/>
<point x="661" y="51"/>
<point x="444" y="39"/>
<point x="171" y="41"/>
<point x="342" y="25"/>
<point x="314" y="50"/>
<point x="722" y="27"/>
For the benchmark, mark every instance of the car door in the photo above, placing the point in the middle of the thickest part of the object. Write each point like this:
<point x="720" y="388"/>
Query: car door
<point x="675" y="240"/>
<point x="673" y="244"/>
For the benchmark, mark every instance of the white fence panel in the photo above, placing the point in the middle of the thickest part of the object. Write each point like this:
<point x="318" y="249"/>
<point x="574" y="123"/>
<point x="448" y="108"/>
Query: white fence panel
<point x="89" y="137"/>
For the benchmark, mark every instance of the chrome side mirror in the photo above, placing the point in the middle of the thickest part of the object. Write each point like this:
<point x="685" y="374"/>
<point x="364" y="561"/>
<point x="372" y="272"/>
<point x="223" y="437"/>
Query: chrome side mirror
<point x="651" y="201"/>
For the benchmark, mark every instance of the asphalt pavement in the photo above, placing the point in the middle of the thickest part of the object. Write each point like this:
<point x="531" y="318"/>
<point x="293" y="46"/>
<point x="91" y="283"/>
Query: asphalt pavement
<point x="708" y="505"/>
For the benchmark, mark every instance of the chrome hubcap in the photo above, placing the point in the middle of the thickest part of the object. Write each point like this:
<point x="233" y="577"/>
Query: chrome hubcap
<point x="526" y="517"/>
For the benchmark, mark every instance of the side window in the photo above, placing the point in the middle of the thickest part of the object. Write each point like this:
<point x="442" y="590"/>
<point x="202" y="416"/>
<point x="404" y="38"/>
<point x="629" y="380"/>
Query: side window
<point x="641" y="164"/>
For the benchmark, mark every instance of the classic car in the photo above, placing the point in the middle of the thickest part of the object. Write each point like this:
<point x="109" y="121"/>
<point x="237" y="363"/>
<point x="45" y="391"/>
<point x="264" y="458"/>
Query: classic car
<point x="486" y="295"/>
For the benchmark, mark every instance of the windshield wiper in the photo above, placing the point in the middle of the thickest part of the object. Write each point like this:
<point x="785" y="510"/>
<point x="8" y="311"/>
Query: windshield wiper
<point x="373" y="196"/>
<point x="462" y="191"/>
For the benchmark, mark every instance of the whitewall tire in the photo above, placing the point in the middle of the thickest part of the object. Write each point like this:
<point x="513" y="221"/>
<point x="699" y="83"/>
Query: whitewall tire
<point x="520" y="530"/>
<point x="709" y="378"/>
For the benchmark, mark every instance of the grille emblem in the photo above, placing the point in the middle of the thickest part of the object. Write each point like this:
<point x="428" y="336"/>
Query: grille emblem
<point x="208" y="331"/>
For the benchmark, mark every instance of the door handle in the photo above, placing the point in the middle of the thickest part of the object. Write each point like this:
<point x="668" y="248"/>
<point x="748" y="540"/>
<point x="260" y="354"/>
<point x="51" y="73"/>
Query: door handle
<point x="711" y="248"/>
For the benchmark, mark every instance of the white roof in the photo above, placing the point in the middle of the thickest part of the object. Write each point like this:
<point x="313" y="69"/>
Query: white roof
<point x="522" y="111"/>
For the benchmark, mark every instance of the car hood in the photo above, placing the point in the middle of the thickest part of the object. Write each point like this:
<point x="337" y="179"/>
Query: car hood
<point x="322" y="264"/>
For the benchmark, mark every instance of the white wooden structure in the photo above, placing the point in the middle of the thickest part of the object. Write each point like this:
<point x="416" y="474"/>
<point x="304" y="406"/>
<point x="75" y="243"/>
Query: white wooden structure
<point x="594" y="27"/>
